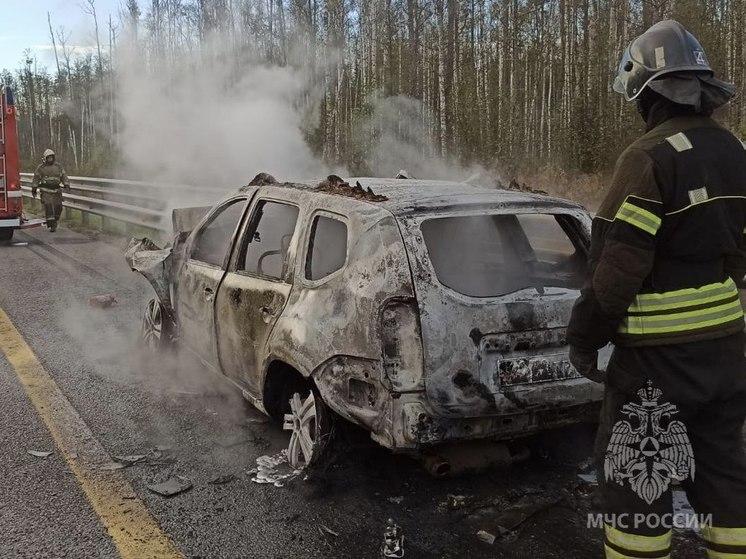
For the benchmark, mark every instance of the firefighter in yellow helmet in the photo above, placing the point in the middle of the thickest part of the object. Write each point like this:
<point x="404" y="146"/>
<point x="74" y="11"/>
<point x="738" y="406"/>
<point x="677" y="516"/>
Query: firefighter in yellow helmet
<point x="50" y="178"/>
<point x="667" y="255"/>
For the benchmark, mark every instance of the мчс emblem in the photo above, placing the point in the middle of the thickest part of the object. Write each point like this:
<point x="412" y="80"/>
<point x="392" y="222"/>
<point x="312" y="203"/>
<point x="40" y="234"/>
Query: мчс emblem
<point x="649" y="449"/>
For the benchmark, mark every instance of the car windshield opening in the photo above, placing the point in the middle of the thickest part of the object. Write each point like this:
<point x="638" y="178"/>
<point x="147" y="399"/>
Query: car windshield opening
<point x="496" y="254"/>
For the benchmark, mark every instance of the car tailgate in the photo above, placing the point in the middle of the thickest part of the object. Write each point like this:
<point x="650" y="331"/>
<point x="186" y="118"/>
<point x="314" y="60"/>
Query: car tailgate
<point x="485" y="351"/>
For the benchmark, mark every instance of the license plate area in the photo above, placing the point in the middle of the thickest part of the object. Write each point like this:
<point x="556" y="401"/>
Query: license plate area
<point x="535" y="370"/>
<point x="521" y="358"/>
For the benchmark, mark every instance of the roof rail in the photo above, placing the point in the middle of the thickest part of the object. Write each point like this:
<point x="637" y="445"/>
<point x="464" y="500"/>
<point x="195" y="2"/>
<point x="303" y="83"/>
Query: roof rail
<point x="263" y="179"/>
<point x="520" y="187"/>
<point x="334" y="184"/>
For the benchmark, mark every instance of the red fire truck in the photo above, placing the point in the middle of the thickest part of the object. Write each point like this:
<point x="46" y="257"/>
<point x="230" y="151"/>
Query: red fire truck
<point x="11" y="201"/>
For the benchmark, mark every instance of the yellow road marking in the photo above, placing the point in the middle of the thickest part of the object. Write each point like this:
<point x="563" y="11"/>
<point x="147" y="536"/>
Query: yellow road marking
<point x="130" y="525"/>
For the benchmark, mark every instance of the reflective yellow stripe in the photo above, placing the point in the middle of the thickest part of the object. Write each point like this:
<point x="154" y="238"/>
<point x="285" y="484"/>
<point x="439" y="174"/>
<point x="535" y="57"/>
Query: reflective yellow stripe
<point x="614" y="554"/>
<point x="681" y="322"/>
<point x="639" y="217"/>
<point x="635" y="542"/>
<point x="636" y="223"/>
<point x="725" y="536"/>
<point x="684" y="297"/>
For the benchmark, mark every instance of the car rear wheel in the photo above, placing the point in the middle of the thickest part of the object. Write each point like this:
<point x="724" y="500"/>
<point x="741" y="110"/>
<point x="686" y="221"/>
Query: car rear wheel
<point x="311" y="424"/>
<point x="155" y="333"/>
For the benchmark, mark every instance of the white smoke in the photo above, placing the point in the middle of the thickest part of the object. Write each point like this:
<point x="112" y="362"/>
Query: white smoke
<point x="398" y="135"/>
<point x="212" y="121"/>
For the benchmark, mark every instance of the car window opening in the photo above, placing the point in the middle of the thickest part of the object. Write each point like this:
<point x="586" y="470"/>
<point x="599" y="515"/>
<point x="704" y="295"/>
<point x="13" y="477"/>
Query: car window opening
<point x="267" y="240"/>
<point x="212" y="244"/>
<point x="327" y="247"/>
<point x="493" y="255"/>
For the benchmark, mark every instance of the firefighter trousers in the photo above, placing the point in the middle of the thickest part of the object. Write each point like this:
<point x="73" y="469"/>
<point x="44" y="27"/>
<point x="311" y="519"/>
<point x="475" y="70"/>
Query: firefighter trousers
<point x="52" y="202"/>
<point x="673" y="414"/>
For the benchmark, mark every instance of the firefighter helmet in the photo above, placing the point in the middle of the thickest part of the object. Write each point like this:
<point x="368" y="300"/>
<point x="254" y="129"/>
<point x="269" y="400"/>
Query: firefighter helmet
<point x="48" y="152"/>
<point x="671" y="61"/>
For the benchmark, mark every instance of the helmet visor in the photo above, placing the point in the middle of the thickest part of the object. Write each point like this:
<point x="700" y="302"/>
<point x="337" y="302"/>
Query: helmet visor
<point x="631" y="75"/>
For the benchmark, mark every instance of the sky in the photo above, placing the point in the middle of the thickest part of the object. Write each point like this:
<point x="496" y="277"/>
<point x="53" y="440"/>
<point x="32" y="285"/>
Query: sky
<point x="23" y="25"/>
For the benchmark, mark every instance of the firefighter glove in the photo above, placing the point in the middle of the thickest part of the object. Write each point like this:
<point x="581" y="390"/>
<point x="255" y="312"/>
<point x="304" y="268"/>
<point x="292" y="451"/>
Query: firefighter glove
<point x="33" y="192"/>
<point x="586" y="363"/>
<point x="66" y="187"/>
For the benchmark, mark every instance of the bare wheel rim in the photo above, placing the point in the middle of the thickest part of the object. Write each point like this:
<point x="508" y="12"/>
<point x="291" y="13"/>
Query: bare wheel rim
<point x="152" y="325"/>
<point x="302" y="422"/>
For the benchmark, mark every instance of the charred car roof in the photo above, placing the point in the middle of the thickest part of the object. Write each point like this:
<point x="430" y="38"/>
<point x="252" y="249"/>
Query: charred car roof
<point x="412" y="196"/>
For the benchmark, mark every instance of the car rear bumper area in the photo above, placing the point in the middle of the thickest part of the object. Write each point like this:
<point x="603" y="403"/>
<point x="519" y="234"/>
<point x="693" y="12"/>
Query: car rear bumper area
<point x="413" y="425"/>
<point x="406" y="421"/>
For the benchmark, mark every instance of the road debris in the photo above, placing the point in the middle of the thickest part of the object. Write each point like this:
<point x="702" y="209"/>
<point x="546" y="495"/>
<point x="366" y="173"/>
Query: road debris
<point x="393" y="540"/>
<point x="39" y="453"/>
<point x="274" y="469"/>
<point x="586" y="472"/>
<point x="325" y="529"/>
<point x="456" y="502"/>
<point x="683" y="509"/>
<point x="103" y="301"/>
<point x="395" y="500"/>
<point x="590" y="479"/>
<point x="121" y="462"/>
<point x="486" y="537"/>
<point x="172" y="486"/>
<point x="222" y="480"/>
<point x="130" y="459"/>
<point x="528" y="506"/>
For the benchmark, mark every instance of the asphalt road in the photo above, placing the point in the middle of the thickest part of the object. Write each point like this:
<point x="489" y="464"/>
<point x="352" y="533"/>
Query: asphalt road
<point x="121" y="401"/>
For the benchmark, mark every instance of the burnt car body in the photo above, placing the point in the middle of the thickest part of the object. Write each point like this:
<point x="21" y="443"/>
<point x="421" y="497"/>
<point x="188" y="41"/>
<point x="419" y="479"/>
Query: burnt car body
<point x="423" y="311"/>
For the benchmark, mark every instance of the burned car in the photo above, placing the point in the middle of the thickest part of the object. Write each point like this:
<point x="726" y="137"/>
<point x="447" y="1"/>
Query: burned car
<point x="425" y="312"/>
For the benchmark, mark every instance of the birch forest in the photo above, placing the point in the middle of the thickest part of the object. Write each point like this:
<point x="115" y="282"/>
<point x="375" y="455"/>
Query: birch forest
<point x="505" y="84"/>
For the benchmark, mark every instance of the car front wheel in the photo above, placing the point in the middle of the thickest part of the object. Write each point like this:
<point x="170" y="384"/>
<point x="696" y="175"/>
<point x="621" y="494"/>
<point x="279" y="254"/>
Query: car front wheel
<point x="155" y="333"/>
<point x="311" y="424"/>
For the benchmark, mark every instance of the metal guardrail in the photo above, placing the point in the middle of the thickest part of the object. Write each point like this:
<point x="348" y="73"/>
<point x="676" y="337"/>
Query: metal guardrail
<point x="132" y="203"/>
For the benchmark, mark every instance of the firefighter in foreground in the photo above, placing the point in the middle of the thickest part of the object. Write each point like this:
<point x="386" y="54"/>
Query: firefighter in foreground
<point x="667" y="251"/>
<point x="50" y="178"/>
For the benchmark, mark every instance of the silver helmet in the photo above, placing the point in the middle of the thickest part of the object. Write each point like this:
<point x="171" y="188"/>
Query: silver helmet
<point x="671" y="61"/>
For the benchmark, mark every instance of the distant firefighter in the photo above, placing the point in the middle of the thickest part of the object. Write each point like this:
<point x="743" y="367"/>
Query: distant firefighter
<point x="50" y="178"/>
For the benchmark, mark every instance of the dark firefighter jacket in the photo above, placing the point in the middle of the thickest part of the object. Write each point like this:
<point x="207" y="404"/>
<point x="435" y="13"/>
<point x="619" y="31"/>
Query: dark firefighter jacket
<point x="50" y="177"/>
<point x="667" y="244"/>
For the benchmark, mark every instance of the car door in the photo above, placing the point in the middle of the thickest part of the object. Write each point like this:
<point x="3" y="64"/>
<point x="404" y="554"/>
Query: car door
<point x="255" y="290"/>
<point x="200" y="277"/>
